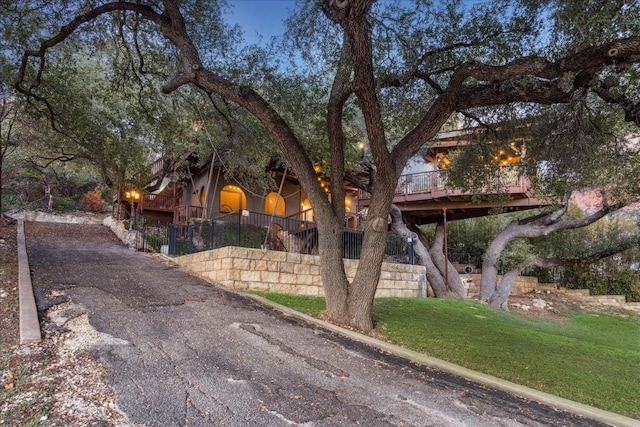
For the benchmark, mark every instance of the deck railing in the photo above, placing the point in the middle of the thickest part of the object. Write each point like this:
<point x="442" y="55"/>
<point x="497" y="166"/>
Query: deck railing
<point x="158" y="202"/>
<point x="158" y="165"/>
<point x="434" y="181"/>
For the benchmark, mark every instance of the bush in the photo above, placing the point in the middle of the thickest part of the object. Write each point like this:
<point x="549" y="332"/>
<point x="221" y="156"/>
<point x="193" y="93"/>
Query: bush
<point x="226" y="234"/>
<point x="92" y="201"/>
<point x="155" y="237"/>
<point x="65" y="204"/>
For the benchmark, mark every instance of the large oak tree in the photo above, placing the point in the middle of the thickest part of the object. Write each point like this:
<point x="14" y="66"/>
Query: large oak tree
<point x="405" y="66"/>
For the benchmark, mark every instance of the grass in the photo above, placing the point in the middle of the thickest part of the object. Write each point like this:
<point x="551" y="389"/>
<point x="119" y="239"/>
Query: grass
<point x="592" y="358"/>
<point x="305" y="304"/>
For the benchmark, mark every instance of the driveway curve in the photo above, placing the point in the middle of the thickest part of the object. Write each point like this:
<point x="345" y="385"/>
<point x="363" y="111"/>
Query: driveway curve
<point x="179" y="351"/>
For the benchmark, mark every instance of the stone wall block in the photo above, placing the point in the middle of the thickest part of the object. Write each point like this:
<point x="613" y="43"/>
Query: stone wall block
<point x="269" y="276"/>
<point x="303" y="269"/>
<point x="241" y="263"/>
<point x="289" y="278"/>
<point x="250" y="276"/>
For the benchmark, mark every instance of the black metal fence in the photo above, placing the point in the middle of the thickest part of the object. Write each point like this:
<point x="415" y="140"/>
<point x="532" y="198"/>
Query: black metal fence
<point x="256" y="230"/>
<point x="153" y="235"/>
<point x="471" y="260"/>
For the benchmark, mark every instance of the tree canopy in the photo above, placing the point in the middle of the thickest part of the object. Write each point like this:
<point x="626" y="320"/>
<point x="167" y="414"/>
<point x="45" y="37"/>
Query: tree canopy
<point x="390" y="73"/>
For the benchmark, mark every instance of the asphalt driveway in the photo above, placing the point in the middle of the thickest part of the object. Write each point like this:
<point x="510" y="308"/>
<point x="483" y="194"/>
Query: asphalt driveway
<point x="182" y="352"/>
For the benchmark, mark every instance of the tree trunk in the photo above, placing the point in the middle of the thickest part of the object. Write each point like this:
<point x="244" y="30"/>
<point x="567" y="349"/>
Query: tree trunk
<point x="434" y="275"/>
<point x="435" y="280"/>
<point x="448" y="271"/>
<point x="535" y="226"/>
<point x="48" y="198"/>
<point x="500" y="297"/>
<point x="363" y="288"/>
<point x="334" y="278"/>
<point x="489" y="278"/>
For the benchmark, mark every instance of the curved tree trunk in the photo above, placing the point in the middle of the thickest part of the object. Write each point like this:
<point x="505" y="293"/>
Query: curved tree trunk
<point x="434" y="274"/>
<point x="489" y="277"/>
<point x="535" y="226"/>
<point x="500" y="298"/>
<point x="435" y="280"/>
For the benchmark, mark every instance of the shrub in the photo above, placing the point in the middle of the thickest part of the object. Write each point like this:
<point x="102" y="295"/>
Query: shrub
<point x="64" y="204"/>
<point x="226" y="234"/>
<point x="93" y="201"/>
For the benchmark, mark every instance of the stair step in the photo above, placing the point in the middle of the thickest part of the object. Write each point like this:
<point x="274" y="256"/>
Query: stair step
<point x="575" y="292"/>
<point x="546" y="287"/>
<point x="617" y="299"/>
<point x="634" y="306"/>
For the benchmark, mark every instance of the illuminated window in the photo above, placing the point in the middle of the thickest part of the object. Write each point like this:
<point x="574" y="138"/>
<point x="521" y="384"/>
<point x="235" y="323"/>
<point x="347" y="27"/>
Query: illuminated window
<point x="306" y="211"/>
<point x="274" y="205"/>
<point x="232" y="198"/>
<point x="347" y="203"/>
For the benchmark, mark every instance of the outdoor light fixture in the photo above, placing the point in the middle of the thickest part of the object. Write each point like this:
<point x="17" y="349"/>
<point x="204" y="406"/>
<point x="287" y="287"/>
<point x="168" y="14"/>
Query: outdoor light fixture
<point x="133" y="197"/>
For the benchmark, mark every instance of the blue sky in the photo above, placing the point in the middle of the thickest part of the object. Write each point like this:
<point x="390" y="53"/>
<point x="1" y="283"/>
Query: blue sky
<point x="263" y="17"/>
<point x="266" y="17"/>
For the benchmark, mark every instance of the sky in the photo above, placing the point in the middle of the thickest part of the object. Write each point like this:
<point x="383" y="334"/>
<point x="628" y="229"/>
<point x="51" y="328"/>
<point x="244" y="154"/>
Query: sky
<point x="266" y="16"/>
<point x="260" y="17"/>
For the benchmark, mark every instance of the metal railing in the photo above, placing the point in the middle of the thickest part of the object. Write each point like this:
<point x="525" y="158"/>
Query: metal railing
<point x="261" y="231"/>
<point x="430" y="182"/>
<point x="244" y="229"/>
<point x="152" y="236"/>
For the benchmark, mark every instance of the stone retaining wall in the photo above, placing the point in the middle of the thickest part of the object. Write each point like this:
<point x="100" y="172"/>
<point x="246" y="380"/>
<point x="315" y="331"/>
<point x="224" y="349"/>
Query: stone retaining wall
<point x="260" y="270"/>
<point x="523" y="284"/>
<point x="68" y="218"/>
<point x="129" y="238"/>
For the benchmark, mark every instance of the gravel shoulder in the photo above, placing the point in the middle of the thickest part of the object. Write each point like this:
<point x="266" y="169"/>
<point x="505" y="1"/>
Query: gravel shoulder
<point x="56" y="382"/>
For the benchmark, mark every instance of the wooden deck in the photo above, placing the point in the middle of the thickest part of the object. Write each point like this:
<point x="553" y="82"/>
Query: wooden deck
<point x="158" y="202"/>
<point x="423" y="196"/>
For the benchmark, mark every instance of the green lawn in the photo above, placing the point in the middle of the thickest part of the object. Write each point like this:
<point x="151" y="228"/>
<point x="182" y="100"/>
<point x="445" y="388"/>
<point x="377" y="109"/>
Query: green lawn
<point x="591" y="358"/>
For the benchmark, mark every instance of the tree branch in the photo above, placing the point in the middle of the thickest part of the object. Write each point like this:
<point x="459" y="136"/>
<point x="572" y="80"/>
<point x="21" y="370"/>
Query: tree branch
<point x="341" y="89"/>
<point x="357" y="182"/>
<point x="68" y="30"/>
<point x="530" y="79"/>
<point x="620" y="246"/>
<point x="414" y="72"/>
<point x="605" y="90"/>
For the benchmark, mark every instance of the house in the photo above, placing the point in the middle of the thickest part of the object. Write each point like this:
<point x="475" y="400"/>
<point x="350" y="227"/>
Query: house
<point x="209" y="194"/>
<point x="422" y="193"/>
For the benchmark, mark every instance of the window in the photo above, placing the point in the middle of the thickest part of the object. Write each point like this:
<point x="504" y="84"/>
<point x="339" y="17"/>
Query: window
<point x="307" y="211"/>
<point x="232" y="198"/>
<point x="274" y="205"/>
